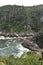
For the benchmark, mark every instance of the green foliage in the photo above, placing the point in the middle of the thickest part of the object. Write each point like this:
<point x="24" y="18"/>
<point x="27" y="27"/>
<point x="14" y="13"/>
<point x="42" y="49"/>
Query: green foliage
<point x="19" y="18"/>
<point x="1" y="63"/>
<point x="38" y="38"/>
<point x="26" y="59"/>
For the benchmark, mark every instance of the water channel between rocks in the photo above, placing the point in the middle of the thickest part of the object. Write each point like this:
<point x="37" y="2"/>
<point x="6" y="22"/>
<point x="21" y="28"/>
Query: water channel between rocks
<point x="11" y="47"/>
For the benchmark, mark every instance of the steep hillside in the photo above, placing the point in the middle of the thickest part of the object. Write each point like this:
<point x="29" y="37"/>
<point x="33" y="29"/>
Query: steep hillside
<point x="19" y="18"/>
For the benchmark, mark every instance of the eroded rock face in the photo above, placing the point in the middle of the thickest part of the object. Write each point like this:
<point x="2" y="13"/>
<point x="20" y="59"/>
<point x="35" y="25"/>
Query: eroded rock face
<point x="30" y="45"/>
<point x="41" y="19"/>
<point x="26" y="43"/>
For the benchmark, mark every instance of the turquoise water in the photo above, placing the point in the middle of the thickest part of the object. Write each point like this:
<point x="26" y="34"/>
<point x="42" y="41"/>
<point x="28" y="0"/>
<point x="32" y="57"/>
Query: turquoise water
<point x="11" y="47"/>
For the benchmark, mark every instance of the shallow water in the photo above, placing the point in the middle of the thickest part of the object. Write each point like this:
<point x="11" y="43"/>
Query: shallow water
<point x="11" y="47"/>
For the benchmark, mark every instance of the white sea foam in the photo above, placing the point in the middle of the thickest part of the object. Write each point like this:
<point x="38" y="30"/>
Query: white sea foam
<point x="13" y="47"/>
<point x="21" y="50"/>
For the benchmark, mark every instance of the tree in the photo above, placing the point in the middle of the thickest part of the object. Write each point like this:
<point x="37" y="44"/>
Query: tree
<point x="35" y="23"/>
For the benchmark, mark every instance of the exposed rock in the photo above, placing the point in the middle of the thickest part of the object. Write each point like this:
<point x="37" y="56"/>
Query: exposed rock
<point x="30" y="45"/>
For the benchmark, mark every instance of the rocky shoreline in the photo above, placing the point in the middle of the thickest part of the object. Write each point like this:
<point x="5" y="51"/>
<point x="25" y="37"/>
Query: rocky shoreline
<point x="15" y="35"/>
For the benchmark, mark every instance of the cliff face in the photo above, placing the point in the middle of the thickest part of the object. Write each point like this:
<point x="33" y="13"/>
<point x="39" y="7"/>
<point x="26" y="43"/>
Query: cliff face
<point x="19" y="18"/>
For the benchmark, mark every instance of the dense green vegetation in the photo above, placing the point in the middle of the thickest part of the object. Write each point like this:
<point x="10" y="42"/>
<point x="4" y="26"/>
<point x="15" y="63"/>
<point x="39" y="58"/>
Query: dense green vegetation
<point x="38" y="38"/>
<point x="19" y="18"/>
<point x="26" y="59"/>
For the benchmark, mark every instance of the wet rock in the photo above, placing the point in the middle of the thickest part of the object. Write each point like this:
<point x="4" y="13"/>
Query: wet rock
<point x="30" y="45"/>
